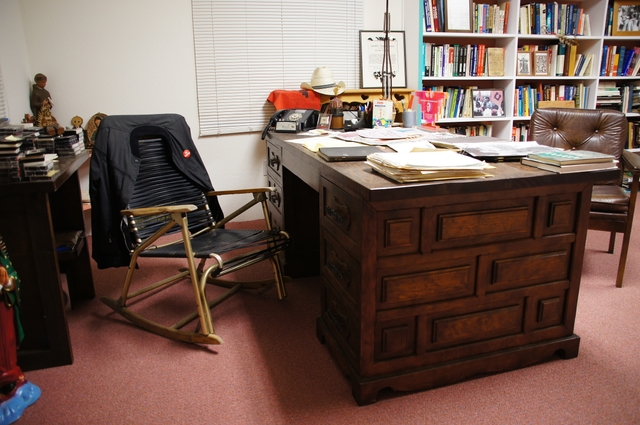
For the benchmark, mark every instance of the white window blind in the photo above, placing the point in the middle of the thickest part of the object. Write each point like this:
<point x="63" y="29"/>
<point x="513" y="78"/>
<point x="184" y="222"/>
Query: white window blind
<point x="4" y="109"/>
<point x="245" y="49"/>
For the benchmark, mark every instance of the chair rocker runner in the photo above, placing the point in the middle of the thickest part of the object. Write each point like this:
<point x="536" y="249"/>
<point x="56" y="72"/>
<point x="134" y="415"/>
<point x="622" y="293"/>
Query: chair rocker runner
<point x="163" y="202"/>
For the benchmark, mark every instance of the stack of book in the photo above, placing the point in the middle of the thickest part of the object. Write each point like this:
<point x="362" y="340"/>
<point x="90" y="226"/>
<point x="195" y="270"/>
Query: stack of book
<point x="39" y="166"/>
<point x="10" y="154"/>
<point x="424" y="166"/>
<point x="608" y="96"/>
<point x="68" y="145"/>
<point x="571" y="161"/>
<point x="46" y="142"/>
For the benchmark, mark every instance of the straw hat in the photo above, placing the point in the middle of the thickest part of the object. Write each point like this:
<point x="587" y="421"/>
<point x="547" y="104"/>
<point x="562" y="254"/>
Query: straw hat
<point x="322" y="82"/>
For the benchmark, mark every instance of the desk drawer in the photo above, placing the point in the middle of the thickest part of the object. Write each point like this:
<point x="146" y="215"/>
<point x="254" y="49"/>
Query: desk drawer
<point x="341" y="213"/>
<point x="274" y="160"/>
<point x="341" y="270"/>
<point x="276" y="199"/>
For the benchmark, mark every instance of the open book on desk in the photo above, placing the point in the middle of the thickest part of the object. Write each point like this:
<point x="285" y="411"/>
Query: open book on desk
<point x="494" y="150"/>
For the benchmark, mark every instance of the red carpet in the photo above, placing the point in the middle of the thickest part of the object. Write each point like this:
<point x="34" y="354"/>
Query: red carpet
<point x="272" y="369"/>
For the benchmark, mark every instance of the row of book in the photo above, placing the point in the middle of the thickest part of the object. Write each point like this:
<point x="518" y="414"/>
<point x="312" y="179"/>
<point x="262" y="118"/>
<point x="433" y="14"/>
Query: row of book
<point x="520" y="132"/>
<point x="472" y="130"/>
<point x="527" y="97"/>
<point x="564" y="59"/>
<point x="486" y="18"/>
<point x="620" y="61"/>
<point x="553" y="18"/>
<point x="455" y="60"/>
<point x="633" y="135"/>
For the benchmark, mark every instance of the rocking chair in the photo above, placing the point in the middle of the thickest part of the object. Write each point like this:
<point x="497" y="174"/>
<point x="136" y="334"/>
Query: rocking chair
<point x="147" y="182"/>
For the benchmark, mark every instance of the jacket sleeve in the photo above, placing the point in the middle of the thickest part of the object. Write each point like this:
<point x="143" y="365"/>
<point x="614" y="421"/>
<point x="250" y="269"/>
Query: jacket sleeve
<point x="109" y="248"/>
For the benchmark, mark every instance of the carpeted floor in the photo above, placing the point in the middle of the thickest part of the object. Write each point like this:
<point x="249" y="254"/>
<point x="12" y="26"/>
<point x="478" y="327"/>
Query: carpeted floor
<point x="271" y="368"/>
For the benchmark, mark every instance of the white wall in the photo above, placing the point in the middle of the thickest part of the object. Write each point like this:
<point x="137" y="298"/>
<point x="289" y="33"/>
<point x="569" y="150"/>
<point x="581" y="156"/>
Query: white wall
<point x="131" y="57"/>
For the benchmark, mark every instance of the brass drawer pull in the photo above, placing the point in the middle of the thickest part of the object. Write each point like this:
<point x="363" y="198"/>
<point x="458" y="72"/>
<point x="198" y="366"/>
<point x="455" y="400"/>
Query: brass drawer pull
<point x="340" y="214"/>
<point x="340" y="271"/>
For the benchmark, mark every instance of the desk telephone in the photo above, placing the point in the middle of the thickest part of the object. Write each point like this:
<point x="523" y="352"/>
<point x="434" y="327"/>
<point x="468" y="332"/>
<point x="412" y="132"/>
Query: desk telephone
<point x="292" y="121"/>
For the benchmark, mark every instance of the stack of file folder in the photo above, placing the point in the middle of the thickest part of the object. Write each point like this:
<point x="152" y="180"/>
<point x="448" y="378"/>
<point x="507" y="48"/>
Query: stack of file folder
<point x="424" y="166"/>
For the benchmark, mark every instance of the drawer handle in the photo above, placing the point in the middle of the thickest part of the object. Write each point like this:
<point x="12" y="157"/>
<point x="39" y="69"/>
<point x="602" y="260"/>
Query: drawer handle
<point x="340" y="321"/>
<point x="340" y="271"/>
<point x="274" y="161"/>
<point x="274" y="197"/>
<point x="340" y="214"/>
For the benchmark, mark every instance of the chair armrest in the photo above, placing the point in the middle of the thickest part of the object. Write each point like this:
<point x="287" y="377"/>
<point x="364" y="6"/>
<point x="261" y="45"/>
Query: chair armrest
<point x="160" y="210"/>
<point x="631" y="161"/>
<point x="240" y="191"/>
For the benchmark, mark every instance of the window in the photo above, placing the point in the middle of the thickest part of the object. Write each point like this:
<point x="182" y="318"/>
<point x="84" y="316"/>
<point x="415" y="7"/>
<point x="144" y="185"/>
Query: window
<point x="246" y="49"/>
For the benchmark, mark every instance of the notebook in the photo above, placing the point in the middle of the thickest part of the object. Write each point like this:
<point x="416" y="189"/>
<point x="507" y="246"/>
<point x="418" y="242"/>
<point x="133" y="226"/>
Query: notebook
<point x="348" y="153"/>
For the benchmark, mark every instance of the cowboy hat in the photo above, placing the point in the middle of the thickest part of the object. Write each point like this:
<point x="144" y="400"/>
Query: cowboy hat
<point x="322" y="82"/>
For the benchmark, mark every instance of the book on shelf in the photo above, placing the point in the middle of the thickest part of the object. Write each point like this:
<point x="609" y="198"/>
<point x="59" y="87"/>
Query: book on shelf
<point x="571" y="168"/>
<point x="495" y="61"/>
<point x="561" y="157"/>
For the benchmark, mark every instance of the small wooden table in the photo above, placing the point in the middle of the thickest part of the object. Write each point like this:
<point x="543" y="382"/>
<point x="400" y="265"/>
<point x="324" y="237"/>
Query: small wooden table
<point x="30" y="214"/>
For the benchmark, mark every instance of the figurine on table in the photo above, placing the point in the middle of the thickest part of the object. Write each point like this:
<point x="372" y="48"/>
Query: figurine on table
<point x="16" y="393"/>
<point x="41" y="105"/>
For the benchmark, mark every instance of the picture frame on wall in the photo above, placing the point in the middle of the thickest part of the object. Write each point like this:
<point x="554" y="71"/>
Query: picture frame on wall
<point x="541" y="62"/>
<point x="459" y="16"/>
<point x="488" y="102"/>
<point x="523" y="65"/>
<point x="371" y="53"/>
<point x="626" y="18"/>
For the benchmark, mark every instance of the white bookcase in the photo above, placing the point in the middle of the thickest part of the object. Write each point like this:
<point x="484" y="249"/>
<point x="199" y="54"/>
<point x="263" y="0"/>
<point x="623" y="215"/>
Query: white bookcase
<point x="512" y="41"/>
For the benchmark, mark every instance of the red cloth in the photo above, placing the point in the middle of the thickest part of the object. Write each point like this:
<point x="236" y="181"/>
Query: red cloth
<point x="295" y="99"/>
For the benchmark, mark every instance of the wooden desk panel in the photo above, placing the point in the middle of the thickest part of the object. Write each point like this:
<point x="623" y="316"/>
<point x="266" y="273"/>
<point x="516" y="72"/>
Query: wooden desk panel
<point x="427" y="284"/>
<point x="30" y="213"/>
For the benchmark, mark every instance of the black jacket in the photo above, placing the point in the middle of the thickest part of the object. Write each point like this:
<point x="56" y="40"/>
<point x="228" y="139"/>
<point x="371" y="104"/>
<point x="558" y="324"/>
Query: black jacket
<point x="115" y="163"/>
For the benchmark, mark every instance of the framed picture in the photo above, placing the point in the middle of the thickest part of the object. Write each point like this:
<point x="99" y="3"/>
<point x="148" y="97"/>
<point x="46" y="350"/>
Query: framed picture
<point x="324" y="122"/>
<point x="458" y="16"/>
<point x="524" y="63"/>
<point x="626" y="18"/>
<point x="371" y="53"/>
<point x="541" y="62"/>
<point x="488" y="103"/>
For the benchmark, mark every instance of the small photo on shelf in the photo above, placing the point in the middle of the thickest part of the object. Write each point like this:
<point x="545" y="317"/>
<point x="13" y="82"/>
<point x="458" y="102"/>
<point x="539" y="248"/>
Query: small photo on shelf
<point x="488" y="103"/>
<point x="626" y="18"/>
<point x="541" y="63"/>
<point x="524" y="63"/>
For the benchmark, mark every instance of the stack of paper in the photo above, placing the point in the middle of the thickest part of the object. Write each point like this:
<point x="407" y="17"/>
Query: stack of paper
<point x="422" y="166"/>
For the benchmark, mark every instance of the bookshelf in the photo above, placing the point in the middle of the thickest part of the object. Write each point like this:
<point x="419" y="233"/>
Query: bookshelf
<point x="589" y="16"/>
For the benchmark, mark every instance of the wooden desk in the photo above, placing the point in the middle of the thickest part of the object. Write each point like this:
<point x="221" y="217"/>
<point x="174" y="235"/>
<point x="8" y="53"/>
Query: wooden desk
<point x="30" y="212"/>
<point x="427" y="284"/>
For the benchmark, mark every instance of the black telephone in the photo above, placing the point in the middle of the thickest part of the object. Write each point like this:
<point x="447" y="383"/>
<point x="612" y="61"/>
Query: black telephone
<point x="292" y="121"/>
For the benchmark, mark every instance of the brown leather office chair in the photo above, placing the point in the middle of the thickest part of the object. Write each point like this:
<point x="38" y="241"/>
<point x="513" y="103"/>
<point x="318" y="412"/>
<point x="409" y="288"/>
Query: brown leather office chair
<point x="612" y="207"/>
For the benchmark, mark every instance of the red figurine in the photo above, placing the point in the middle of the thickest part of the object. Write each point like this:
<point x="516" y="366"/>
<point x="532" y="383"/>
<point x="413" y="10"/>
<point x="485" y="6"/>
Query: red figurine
<point x="16" y="393"/>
